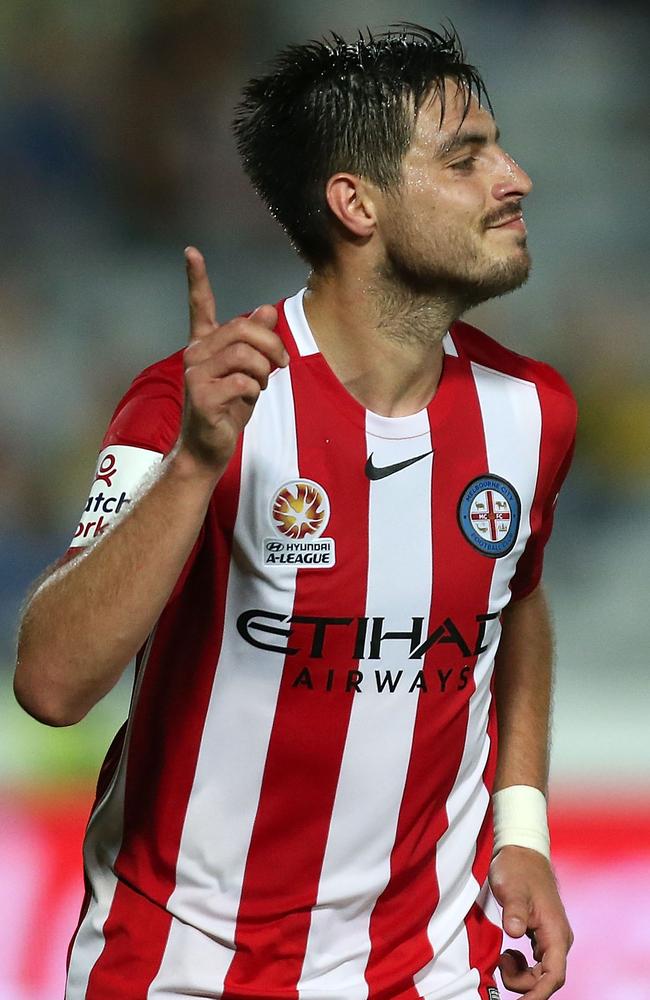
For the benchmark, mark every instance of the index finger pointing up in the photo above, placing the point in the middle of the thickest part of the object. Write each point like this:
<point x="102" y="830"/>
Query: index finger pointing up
<point x="202" y="306"/>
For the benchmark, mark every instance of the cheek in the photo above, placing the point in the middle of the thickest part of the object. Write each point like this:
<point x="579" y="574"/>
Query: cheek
<point x="420" y="184"/>
<point x="451" y="199"/>
<point x="451" y="215"/>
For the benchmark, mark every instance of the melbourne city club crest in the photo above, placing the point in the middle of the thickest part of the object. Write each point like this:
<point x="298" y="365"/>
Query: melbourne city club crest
<point x="489" y="512"/>
<point x="299" y="513"/>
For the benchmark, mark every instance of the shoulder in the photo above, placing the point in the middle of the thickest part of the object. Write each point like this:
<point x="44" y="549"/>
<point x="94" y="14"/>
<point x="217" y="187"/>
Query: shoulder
<point x="162" y="377"/>
<point x="149" y="413"/>
<point x="482" y="350"/>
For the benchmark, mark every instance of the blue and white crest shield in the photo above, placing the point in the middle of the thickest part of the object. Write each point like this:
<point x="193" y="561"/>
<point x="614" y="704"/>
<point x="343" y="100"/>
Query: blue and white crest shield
<point x="489" y="512"/>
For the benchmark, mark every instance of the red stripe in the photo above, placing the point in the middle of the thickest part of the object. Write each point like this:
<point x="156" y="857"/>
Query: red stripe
<point x="461" y="582"/>
<point x="106" y="775"/>
<point x="310" y="727"/>
<point x="163" y="752"/>
<point x="485" y="941"/>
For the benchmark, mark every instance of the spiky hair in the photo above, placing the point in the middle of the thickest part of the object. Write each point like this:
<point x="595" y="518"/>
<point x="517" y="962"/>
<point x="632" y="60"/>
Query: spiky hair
<point x="331" y="105"/>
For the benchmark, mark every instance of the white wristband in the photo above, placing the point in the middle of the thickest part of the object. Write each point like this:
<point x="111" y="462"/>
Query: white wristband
<point x="520" y="819"/>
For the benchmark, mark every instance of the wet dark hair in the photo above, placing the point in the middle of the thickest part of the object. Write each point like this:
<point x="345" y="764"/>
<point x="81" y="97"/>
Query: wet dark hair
<point x="331" y="105"/>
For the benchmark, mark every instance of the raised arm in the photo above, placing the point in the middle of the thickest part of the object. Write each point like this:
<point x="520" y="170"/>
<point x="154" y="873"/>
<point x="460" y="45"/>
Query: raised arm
<point x="90" y="616"/>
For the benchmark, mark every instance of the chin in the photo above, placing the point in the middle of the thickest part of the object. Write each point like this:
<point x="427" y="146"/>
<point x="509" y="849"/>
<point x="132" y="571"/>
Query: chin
<point x="500" y="281"/>
<point x="488" y="278"/>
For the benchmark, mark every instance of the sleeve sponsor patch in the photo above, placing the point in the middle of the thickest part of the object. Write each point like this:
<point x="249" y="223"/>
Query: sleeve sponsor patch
<point x="120" y="471"/>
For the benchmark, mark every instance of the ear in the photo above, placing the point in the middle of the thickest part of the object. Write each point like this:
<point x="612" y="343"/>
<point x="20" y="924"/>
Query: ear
<point x="350" y="199"/>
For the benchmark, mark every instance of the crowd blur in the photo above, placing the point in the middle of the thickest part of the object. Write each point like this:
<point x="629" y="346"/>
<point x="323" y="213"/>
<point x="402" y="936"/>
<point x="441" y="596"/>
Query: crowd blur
<point x="115" y="152"/>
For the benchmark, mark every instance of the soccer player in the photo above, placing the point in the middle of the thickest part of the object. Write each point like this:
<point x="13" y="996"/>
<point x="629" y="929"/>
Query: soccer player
<point x="320" y="529"/>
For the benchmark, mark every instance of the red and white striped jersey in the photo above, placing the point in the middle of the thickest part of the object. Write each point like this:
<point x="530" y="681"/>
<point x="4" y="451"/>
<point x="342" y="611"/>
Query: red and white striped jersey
<point x="299" y="803"/>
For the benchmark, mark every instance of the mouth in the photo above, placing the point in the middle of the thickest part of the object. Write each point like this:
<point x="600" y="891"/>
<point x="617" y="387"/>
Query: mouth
<point x="515" y="222"/>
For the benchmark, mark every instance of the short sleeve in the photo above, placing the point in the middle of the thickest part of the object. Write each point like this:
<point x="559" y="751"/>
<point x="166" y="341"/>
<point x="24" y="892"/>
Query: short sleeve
<point x="559" y="418"/>
<point x="142" y="430"/>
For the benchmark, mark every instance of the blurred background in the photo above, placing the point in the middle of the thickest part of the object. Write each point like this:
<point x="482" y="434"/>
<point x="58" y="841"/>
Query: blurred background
<point x="115" y="152"/>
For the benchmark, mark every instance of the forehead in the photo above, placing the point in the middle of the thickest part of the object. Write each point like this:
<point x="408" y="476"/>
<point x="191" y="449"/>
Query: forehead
<point x="431" y="132"/>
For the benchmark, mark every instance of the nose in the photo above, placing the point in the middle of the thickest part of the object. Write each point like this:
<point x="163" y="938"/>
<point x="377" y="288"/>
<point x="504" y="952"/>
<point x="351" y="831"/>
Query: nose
<point x="514" y="182"/>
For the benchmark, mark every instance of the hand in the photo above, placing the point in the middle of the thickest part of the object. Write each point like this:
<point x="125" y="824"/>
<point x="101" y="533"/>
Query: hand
<point x="523" y="883"/>
<point x="226" y="368"/>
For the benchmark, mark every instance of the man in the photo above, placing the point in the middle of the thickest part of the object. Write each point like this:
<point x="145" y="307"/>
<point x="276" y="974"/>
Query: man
<point x="315" y="557"/>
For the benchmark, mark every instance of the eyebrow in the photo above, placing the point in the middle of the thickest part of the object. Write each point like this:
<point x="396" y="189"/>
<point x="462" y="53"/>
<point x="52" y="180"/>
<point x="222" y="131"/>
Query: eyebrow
<point x="462" y="139"/>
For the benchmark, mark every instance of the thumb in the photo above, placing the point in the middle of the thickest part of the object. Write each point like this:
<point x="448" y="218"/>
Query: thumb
<point x="515" y="916"/>
<point x="266" y="315"/>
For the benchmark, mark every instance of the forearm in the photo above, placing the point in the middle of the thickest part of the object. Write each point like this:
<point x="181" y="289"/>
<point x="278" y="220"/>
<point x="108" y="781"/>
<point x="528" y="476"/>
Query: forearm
<point x="521" y="876"/>
<point x="88" y="619"/>
<point x="523" y="694"/>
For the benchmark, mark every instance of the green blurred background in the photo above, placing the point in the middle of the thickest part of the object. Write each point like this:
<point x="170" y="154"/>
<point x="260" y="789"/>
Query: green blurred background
<point x="115" y="153"/>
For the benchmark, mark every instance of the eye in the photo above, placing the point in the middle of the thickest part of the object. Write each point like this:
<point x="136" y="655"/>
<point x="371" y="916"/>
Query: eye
<point x="464" y="166"/>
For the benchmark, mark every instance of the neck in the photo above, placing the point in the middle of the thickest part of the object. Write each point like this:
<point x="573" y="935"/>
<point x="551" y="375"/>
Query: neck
<point x="382" y="340"/>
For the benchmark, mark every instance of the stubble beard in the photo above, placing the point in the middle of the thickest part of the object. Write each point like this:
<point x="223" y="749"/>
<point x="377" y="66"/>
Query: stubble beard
<point x="420" y="294"/>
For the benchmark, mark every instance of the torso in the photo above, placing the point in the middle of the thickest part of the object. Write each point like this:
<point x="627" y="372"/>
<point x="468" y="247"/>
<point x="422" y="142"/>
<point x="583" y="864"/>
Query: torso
<point x="302" y="796"/>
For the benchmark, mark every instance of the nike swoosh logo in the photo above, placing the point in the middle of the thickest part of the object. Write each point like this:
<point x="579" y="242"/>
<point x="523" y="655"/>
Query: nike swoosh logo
<point x="373" y="472"/>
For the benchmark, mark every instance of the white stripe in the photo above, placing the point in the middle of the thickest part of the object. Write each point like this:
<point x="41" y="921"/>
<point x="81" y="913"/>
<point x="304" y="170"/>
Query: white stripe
<point x="512" y="427"/>
<point x="448" y="345"/>
<point x="356" y="866"/>
<point x="512" y="419"/>
<point x="102" y="845"/>
<point x="225" y="792"/>
<point x="294" y="310"/>
<point x="453" y="978"/>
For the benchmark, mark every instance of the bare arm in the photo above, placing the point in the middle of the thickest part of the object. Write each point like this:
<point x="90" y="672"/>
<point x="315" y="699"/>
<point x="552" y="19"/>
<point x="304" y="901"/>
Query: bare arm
<point x="522" y="879"/>
<point x="90" y="616"/>
<point x="524" y="676"/>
